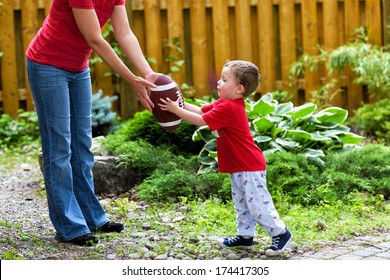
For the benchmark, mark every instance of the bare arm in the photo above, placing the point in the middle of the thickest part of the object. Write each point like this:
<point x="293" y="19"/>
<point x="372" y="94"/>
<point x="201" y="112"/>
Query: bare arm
<point x="191" y="113"/>
<point x="88" y="25"/>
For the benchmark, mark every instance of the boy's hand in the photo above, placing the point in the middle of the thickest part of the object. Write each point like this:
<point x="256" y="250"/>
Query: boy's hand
<point x="169" y="105"/>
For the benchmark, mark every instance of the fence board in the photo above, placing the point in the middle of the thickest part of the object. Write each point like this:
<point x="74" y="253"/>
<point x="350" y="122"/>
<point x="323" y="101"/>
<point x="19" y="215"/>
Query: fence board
<point x="331" y="41"/>
<point x="355" y="92"/>
<point x="244" y="31"/>
<point x="10" y="94"/>
<point x="310" y="42"/>
<point x="29" y="27"/>
<point x="266" y="45"/>
<point x="221" y="26"/>
<point x="271" y="33"/>
<point x="374" y="20"/>
<point x="199" y="46"/>
<point x="154" y="39"/>
<point x="175" y="29"/>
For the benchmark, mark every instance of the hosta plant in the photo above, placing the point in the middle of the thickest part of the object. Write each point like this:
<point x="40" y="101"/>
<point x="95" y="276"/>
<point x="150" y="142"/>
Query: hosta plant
<point x="281" y="127"/>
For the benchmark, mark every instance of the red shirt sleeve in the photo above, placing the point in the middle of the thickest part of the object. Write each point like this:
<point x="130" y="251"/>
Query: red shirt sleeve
<point x="219" y="116"/>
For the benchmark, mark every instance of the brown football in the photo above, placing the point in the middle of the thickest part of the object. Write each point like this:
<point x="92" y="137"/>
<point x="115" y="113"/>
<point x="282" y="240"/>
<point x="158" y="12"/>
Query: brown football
<point x="166" y="88"/>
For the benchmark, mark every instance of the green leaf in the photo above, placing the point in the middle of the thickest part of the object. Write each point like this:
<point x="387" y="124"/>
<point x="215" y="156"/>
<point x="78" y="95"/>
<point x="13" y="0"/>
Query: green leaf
<point x="287" y="143"/>
<point x="332" y="132"/>
<point x="303" y="111"/>
<point x="267" y="97"/>
<point x="299" y="134"/>
<point x="262" y="124"/>
<point x="262" y="139"/>
<point x="313" y="153"/>
<point x="206" y="160"/>
<point x="277" y="147"/>
<point x="284" y="108"/>
<point x="316" y="136"/>
<point x="332" y="115"/>
<point x="351" y="138"/>
<point x="211" y="145"/>
<point x="263" y="107"/>
<point x="203" y="133"/>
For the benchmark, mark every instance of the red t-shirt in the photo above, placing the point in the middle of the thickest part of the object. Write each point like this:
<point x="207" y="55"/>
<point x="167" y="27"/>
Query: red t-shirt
<point x="235" y="146"/>
<point x="59" y="42"/>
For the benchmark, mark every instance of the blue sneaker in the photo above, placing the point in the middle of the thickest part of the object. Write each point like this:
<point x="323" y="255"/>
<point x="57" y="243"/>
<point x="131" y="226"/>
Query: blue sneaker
<point x="279" y="244"/>
<point x="236" y="242"/>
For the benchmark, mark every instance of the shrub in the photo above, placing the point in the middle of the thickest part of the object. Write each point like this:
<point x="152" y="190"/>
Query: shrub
<point x="369" y="63"/>
<point x="374" y="120"/>
<point x="367" y="169"/>
<point x="104" y="121"/>
<point x="343" y="175"/>
<point x="144" y="126"/>
<point x="175" y="183"/>
<point x="20" y="131"/>
<point x="281" y="127"/>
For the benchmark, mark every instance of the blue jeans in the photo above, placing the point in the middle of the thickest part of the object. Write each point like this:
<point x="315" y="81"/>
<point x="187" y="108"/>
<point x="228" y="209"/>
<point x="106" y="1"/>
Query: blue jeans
<point x="63" y="101"/>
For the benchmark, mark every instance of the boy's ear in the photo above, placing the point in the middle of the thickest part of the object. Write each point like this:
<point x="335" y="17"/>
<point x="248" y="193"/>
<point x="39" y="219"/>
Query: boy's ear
<point x="240" y="89"/>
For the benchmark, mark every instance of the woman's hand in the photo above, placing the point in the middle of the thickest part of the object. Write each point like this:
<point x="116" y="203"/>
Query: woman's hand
<point x="141" y="88"/>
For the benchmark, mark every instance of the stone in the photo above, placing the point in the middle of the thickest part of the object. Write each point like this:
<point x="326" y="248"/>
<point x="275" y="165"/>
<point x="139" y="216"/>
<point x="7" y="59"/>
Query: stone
<point x="108" y="176"/>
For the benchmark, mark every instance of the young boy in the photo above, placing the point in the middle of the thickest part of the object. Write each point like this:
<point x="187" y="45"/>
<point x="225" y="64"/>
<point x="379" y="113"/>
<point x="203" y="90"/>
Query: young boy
<point x="239" y="155"/>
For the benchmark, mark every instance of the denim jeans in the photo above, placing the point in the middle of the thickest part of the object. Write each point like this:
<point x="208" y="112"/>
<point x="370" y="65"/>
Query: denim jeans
<point x="63" y="101"/>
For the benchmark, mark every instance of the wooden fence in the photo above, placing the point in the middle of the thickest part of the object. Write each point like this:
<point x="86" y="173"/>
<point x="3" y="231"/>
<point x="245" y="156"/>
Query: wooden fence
<point x="270" y="33"/>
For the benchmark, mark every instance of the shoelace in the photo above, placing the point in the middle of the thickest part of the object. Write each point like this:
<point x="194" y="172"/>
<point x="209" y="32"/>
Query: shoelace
<point x="233" y="239"/>
<point x="275" y="241"/>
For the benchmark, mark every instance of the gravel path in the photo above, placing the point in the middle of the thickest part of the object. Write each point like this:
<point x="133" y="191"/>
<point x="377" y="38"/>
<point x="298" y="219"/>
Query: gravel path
<point x="26" y="232"/>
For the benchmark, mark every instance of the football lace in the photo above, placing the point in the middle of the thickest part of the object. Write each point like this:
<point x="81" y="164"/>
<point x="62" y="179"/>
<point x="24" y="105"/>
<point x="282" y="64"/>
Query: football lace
<point x="180" y="97"/>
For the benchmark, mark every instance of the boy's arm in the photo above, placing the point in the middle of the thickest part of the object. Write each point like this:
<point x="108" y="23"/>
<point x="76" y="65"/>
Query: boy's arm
<point x="193" y="108"/>
<point x="191" y="113"/>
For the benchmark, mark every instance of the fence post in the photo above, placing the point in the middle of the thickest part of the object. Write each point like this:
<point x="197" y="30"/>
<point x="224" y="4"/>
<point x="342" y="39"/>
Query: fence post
<point x="386" y="22"/>
<point x="266" y="45"/>
<point x="154" y="45"/>
<point x="199" y="46"/>
<point x="310" y="43"/>
<point x="243" y="29"/>
<point x="221" y="34"/>
<point x="30" y="27"/>
<point x="331" y="41"/>
<point x="175" y="29"/>
<point x="355" y="92"/>
<point x="288" y="37"/>
<point x="10" y="95"/>
<point x="373" y="21"/>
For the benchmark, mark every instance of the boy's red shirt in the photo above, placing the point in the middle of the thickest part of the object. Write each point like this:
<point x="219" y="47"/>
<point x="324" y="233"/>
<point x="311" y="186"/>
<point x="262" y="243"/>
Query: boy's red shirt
<point x="235" y="146"/>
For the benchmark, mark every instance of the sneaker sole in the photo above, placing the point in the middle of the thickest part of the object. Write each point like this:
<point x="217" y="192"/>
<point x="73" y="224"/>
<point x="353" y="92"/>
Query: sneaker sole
<point x="272" y="253"/>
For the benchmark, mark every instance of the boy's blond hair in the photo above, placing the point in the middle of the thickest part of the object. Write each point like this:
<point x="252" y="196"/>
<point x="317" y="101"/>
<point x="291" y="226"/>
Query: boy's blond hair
<point x="247" y="74"/>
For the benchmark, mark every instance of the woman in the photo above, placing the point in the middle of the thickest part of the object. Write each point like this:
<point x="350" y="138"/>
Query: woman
<point x="59" y="78"/>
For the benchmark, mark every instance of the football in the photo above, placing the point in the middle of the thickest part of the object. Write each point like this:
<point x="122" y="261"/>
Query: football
<point x="165" y="88"/>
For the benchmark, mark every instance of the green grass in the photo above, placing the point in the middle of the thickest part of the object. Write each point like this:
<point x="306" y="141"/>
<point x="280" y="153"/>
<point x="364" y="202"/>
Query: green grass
<point x="213" y="218"/>
<point x="200" y="221"/>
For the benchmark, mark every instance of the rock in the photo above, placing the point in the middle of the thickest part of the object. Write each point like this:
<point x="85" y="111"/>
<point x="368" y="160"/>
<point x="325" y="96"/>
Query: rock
<point x="162" y="257"/>
<point x="134" y="256"/>
<point x="111" y="256"/>
<point x="146" y="226"/>
<point x="233" y="257"/>
<point x="178" y="219"/>
<point x="321" y="225"/>
<point x="108" y="177"/>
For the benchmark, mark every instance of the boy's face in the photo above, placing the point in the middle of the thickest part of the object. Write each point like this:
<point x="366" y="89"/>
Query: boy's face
<point x="227" y="87"/>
